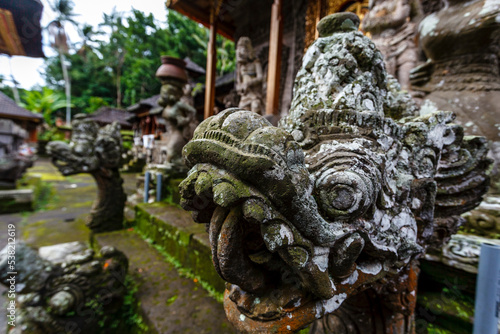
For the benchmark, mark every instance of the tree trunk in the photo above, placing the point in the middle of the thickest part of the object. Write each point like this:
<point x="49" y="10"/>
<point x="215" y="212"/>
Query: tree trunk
<point x="67" y="86"/>
<point x="118" y="88"/>
<point x="15" y="91"/>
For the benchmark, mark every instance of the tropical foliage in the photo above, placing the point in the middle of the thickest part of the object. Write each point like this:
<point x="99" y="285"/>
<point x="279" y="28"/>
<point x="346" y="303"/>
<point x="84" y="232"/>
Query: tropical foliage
<point x="115" y="63"/>
<point x="44" y="102"/>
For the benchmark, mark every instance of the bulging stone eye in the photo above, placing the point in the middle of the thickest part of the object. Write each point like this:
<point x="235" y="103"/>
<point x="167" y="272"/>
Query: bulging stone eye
<point x="344" y="194"/>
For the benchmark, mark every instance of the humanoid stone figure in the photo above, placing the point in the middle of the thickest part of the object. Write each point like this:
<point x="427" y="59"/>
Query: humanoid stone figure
<point x="67" y="290"/>
<point x="180" y="117"/>
<point x="326" y="215"/>
<point x="393" y="28"/>
<point x="96" y="151"/>
<point x="249" y="76"/>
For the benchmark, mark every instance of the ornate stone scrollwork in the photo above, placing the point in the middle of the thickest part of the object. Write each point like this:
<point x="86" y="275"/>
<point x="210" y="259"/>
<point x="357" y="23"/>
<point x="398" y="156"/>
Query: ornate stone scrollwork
<point x="96" y="151"/>
<point x="67" y="290"/>
<point x="333" y="208"/>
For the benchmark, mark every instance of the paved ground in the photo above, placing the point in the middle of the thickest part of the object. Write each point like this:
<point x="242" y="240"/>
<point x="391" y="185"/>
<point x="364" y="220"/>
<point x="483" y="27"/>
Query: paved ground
<point x="171" y="303"/>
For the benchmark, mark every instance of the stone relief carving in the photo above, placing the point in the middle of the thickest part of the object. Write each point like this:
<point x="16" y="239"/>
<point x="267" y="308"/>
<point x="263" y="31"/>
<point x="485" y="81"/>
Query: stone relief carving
<point x="59" y="289"/>
<point x="393" y="28"/>
<point x="96" y="151"/>
<point x="331" y="209"/>
<point x="462" y="72"/>
<point x="485" y="220"/>
<point x="462" y="252"/>
<point x="249" y="77"/>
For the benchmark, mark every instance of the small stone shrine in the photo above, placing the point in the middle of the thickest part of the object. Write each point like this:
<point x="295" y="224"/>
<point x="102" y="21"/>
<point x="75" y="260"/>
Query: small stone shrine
<point x="249" y="77"/>
<point x="326" y="215"/>
<point x="60" y="287"/>
<point x="12" y="163"/>
<point x="96" y="151"/>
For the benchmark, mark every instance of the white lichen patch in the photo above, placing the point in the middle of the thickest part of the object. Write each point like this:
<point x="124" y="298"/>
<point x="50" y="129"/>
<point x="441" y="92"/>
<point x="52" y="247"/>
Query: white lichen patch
<point x="351" y="279"/>
<point x="428" y="25"/>
<point x="328" y="306"/>
<point x="371" y="268"/>
<point x="286" y="232"/>
<point x="320" y="258"/>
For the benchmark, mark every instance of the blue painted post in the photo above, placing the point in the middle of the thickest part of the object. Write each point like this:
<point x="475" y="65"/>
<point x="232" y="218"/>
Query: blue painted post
<point x="487" y="291"/>
<point x="158" y="186"/>
<point x="147" y="179"/>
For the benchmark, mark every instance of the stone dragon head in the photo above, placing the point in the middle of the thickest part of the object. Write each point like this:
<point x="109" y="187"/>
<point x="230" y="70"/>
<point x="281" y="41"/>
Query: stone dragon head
<point x="90" y="148"/>
<point x="96" y="151"/>
<point x="343" y="196"/>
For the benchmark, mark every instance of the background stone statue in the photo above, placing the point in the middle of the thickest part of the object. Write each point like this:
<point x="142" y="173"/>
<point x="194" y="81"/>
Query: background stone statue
<point x="180" y="117"/>
<point x="249" y="77"/>
<point x="392" y="25"/>
<point x="96" y="151"/>
<point x="67" y="290"/>
<point x="462" y="74"/>
<point x="326" y="215"/>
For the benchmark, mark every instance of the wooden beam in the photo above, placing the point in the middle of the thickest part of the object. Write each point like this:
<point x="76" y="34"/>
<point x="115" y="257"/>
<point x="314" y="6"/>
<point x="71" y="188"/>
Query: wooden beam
<point x="274" y="68"/>
<point x="10" y="43"/>
<point x="211" y="67"/>
<point x="318" y="18"/>
<point x="202" y="15"/>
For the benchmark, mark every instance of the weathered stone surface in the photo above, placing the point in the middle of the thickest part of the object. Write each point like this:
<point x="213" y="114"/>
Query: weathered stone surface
<point x="96" y="151"/>
<point x="485" y="220"/>
<point x="461" y="252"/>
<point x="332" y="208"/>
<point x="66" y="296"/>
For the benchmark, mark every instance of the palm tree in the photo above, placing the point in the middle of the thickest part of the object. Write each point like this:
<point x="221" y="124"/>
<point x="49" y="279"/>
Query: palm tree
<point x="115" y="47"/>
<point x="44" y="102"/>
<point x="59" y="41"/>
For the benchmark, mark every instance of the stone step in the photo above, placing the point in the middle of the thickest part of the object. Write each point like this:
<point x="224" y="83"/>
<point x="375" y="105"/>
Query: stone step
<point x="173" y="229"/>
<point x="169" y="303"/>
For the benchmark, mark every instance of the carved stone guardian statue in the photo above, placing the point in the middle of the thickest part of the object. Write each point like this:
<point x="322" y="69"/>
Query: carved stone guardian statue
<point x="96" y="151"/>
<point x="326" y="215"/>
<point x="180" y="117"/>
<point x="393" y="28"/>
<point x="249" y="77"/>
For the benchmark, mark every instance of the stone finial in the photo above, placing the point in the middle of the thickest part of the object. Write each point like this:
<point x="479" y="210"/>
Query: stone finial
<point x="338" y="22"/>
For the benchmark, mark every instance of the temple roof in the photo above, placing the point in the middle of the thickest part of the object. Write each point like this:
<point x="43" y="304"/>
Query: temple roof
<point x="150" y="102"/>
<point x="20" y="30"/>
<point x="194" y="68"/>
<point x="108" y="115"/>
<point x="199" y="11"/>
<point x="10" y="110"/>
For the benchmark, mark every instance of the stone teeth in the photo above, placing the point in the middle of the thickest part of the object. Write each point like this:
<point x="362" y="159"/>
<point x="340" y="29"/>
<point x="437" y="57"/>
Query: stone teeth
<point x="225" y="194"/>
<point x="203" y="184"/>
